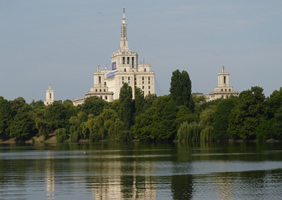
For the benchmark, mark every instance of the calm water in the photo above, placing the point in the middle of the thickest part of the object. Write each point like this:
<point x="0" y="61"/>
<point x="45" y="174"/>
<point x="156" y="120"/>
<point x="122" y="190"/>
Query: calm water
<point x="141" y="171"/>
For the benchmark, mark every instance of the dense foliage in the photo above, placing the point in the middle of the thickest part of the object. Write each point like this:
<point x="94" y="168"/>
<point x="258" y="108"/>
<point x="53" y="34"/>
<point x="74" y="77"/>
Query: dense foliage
<point x="178" y="116"/>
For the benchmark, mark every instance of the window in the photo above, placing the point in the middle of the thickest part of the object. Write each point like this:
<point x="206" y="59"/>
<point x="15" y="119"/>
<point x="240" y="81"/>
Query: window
<point x="124" y="69"/>
<point x="222" y="96"/>
<point x="226" y="96"/>
<point x="99" y="79"/>
<point x="132" y="62"/>
<point x="100" y="90"/>
<point x="221" y="90"/>
<point x="149" y="82"/>
<point x="149" y="92"/>
<point x="149" y="78"/>
<point x="229" y="90"/>
<point x="104" y="90"/>
<point x="127" y="60"/>
<point x="149" y="87"/>
<point x="50" y="95"/>
<point x="225" y="90"/>
<point x="224" y="79"/>
<point x="129" y="78"/>
<point x="123" y="60"/>
<point x="101" y="97"/>
<point x="106" y="97"/>
<point x="105" y="83"/>
<point x="143" y="87"/>
<point x="142" y="78"/>
<point x="96" y="90"/>
<point x="122" y="78"/>
<point x="145" y="69"/>
<point x="142" y="82"/>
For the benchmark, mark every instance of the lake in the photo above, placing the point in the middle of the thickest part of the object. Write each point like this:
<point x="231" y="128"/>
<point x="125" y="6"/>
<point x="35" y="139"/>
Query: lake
<point x="141" y="171"/>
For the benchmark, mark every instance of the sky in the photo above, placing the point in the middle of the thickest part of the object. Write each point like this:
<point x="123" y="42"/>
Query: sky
<point x="61" y="42"/>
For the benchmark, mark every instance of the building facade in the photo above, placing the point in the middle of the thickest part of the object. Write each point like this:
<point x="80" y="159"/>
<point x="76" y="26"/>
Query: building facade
<point x="223" y="89"/>
<point x="124" y="69"/>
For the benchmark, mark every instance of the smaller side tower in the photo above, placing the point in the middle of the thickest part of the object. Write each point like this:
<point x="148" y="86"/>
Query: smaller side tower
<point x="223" y="89"/>
<point x="49" y="96"/>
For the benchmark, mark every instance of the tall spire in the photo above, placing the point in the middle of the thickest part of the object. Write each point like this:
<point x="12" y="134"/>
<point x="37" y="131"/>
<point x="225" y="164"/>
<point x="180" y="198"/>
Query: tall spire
<point x="123" y="40"/>
<point x="123" y="19"/>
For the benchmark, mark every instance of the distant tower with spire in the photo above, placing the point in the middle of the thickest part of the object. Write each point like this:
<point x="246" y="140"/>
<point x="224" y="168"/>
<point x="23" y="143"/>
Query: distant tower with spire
<point x="49" y="96"/>
<point x="223" y="89"/>
<point x="125" y="69"/>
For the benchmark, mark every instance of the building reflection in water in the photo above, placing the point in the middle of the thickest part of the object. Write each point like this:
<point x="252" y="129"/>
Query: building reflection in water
<point x="224" y="184"/>
<point x="50" y="177"/>
<point x="124" y="180"/>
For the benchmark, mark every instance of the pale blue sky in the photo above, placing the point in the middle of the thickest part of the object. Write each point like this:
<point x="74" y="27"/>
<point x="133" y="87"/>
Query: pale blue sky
<point x="61" y="42"/>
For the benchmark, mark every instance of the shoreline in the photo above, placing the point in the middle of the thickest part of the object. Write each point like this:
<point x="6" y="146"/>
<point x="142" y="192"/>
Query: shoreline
<point x="52" y="140"/>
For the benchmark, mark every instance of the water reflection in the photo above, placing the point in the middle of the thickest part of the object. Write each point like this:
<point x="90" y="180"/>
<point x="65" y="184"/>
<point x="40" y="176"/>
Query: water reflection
<point x="50" y="177"/>
<point x="141" y="171"/>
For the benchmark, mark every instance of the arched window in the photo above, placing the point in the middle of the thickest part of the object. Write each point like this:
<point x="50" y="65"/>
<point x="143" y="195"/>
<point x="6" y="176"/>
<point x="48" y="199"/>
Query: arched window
<point x="224" y="79"/>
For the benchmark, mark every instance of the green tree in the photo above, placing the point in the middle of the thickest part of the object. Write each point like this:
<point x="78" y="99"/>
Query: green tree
<point x="139" y="101"/>
<point x="93" y="105"/>
<point x="106" y="126"/>
<point x="277" y="124"/>
<point x="23" y="126"/>
<point x="176" y="87"/>
<point x="61" y="135"/>
<point x="55" y="115"/>
<point x="273" y="103"/>
<point x="126" y="105"/>
<point x="37" y="104"/>
<point x="221" y="117"/>
<point x="180" y="89"/>
<point x="247" y="114"/>
<point x="185" y="115"/>
<point x="149" y="101"/>
<point x="143" y="125"/>
<point x="5" y="118"/>
<point x="189" y="132"/>
<point x="158" y="122"/>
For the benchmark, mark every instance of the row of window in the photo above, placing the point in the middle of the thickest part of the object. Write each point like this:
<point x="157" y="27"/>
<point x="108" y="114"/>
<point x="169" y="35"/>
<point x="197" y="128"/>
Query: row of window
<point x="149" y="87"/>
<point x="128" y="60"/>
<point x="100" y="90"/>
<point x="105" y="97"/>
<point x="149" y="78"/>
<point x="225" y="90"/>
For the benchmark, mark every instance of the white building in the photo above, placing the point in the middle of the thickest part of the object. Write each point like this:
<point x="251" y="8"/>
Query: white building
<point x="49" y="96"/>
<point x="223" y="90"/>
<point x="125" y="69"/>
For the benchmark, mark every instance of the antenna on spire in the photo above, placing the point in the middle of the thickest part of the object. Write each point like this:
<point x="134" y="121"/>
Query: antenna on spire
<point x="123" y="19"/>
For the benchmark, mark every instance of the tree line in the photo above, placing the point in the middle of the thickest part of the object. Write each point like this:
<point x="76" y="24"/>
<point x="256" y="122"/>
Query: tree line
<point x="178" y="116"/>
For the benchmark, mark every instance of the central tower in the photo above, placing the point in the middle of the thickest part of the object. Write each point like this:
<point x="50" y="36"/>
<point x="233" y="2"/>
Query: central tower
<point x="125" y="69"/>
<point x="124" y="59"/>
